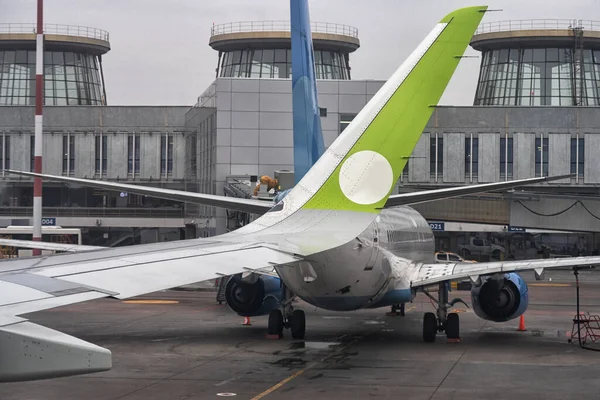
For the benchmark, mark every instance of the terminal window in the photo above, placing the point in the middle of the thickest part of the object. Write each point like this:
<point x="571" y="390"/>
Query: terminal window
<point x="68" y="154"/>
<point x="471" y="156"/>
<point x="345" y="120"/>
<point x="541" y="157"/>
<point x="133" y="154"/>
<point x="5" y="151"/>
<point x="277" y="63"/>
<point x="166" y="154"/>
<point x="69" y="78"/>
<point x="542" y="76"/>
<point x="436" y="156"/>
<point x="577" y="156"/>
<point x="506" y="158"/>
<point x="101" y="153"/>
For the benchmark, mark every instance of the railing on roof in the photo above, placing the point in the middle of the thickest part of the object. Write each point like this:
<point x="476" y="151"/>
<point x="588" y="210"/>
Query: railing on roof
<point x="535" y="24"/>
<point x="281" y="26"/>
<point x="57" y="29"/>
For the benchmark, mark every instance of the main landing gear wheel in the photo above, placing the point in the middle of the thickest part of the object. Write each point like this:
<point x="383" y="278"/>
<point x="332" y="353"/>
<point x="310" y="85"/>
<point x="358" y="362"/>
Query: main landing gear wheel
<point x="430" y="327"/>
<point x="297" y="323"/>
<point x="452" y="326"/>
<point x="443" y="321"/>
<point x="275" y="326"/>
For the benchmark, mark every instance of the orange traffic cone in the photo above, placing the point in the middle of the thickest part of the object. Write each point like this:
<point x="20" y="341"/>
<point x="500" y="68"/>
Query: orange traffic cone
<point x="247" y="321"/>
<point x="522" y="324"/>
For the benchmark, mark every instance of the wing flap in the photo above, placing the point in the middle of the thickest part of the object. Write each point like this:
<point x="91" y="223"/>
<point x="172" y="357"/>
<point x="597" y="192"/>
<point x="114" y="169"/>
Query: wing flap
<point x="428" y="274"/>
<point x="29" y="351"/>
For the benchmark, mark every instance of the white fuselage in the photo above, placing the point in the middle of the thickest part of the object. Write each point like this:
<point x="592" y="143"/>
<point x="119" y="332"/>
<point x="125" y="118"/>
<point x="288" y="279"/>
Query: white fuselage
<point x="359" y="274"/>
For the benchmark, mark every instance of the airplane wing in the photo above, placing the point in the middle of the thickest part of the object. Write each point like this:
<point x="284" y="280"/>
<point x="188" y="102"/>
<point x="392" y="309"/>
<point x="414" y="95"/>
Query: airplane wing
<point x="262" y="206"/>
<point x="429" y="274"/>
<point x="30" y="244"/>
<point x="35" y="284"/>
<point x="446" y="193"/>
<point x="234" y="203"/>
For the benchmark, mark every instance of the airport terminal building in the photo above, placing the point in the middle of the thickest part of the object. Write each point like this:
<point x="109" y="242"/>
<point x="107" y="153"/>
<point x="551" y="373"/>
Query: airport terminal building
<point x="534" y="113"/>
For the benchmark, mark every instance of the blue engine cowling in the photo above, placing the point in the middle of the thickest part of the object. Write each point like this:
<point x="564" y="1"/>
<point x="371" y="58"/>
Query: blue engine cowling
<point x="500" y="300"/>
<point x="255" y="297"/>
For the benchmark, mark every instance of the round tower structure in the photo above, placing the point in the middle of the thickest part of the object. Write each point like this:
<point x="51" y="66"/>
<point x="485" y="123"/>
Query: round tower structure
<point x="72" y="64"/>
<point x="538" y="63"/>
<point x="262" y="49"/>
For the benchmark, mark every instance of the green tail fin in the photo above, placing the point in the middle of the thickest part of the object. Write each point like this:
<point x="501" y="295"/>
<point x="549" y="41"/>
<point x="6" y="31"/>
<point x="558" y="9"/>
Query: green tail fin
<point x="360" y="169"/>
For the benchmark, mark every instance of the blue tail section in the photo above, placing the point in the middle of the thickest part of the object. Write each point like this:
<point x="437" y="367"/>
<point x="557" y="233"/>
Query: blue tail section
<point x="308" y="137"/>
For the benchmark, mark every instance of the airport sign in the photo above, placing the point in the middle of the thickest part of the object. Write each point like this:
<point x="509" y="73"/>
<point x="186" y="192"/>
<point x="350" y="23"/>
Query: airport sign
<point x="48" y="221"/>
<point x="437" y="226"/>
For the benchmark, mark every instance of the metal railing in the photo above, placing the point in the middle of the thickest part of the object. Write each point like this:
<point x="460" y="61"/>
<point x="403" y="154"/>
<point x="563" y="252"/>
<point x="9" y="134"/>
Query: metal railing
<point x="281" y="26"/>
<point x="95" y="212"/>
<point x="534" y="24"/>
<point x="57" y="29"/>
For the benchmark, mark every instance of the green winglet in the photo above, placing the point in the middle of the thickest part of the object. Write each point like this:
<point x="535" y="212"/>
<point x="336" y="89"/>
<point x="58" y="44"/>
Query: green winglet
<point x="396" y="127"/>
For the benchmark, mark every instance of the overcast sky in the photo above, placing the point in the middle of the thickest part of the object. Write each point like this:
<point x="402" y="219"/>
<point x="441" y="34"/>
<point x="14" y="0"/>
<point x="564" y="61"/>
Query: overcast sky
<point x="160" y="53"/>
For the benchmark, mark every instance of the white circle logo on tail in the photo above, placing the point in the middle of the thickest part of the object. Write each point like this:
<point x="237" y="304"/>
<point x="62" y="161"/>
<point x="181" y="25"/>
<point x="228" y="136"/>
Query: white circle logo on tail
<point x="366" y="177"/>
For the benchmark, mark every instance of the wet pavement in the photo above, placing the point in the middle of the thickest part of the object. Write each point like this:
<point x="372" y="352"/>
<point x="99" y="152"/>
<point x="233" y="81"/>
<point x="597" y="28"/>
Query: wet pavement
<point x="189" y="347"/>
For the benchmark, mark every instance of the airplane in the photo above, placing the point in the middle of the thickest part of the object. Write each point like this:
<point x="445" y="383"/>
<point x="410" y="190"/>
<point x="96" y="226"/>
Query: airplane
<point x="338" y="240"/>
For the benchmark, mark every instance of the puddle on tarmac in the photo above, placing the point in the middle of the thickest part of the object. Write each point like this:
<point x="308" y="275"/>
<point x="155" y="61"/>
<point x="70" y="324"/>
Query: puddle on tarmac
<point x="290" y="362"/>
<point x="313" y="345"/>
<point x="372" y="322"/>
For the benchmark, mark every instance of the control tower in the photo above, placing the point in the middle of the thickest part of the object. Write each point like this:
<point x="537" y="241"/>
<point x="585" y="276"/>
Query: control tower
<point x="262" y="49"/>
<point x="538" y="63"/>
<point x="72" y="65"/>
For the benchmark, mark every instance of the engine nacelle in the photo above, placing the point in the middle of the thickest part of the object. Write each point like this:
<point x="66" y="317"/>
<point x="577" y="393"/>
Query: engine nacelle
<point x="500" y="300"/>
<point x="250" y="298"/>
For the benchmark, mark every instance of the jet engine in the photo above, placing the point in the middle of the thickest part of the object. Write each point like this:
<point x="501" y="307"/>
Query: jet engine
<point x="254" y="295"/>
<point x="500" y="300"/>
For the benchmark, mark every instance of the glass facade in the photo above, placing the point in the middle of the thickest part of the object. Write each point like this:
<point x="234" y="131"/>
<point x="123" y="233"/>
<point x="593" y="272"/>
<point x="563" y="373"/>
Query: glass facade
<point x="539" y="77"/>
<point x="277" y="63"/>
<point x="69" y="78"/>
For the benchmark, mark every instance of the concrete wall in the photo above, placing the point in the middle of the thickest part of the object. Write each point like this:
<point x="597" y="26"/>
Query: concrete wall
<point x="454" y="164"/>
<point x="84" y="122"/>
<point x="488" y="169"/>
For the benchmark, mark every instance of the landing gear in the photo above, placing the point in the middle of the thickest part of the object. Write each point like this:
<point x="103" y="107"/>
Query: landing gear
<point x="276" y="324"/>
<point x="287" y="317"/>
<point x="297" y="323"/>
<point x="452" y="326"/>
<point x="443" y="321"/>
<point x="430" y="327"/>
<point x="397" y="309"/>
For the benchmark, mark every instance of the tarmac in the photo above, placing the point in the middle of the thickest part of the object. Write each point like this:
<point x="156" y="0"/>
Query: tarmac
<point x="183" y="345"/>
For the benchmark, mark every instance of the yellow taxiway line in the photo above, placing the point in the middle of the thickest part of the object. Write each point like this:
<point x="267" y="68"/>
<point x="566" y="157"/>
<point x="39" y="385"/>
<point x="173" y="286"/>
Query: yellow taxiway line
<point x="550" y="284"/>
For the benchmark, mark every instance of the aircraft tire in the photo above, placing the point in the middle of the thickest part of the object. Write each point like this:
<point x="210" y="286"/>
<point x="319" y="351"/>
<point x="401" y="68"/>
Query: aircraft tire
<point x="275" y="326"/>
<point x="429" y="327"/>
<point x="453" y="326"/>
<point x="298" y="324"/>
